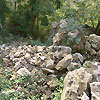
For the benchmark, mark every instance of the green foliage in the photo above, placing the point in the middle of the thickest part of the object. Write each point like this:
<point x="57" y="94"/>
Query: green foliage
<point x="88" y="64"/>
<point x="79" y="12"/>
<point x="70" y="42"/>
<point x="29" y="17"/>
<point x="58" y="91"/>
<point x="3" y="11"/>
<point x="49" y="42"/>
<point x="37" y="42"/>
<point x="33" y="17"/>
<point x="30" y="87"/>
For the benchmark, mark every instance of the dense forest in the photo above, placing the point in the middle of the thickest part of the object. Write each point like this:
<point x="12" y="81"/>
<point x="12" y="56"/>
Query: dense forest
<point x="33" y="18"/>
<point x="49" y="49"/>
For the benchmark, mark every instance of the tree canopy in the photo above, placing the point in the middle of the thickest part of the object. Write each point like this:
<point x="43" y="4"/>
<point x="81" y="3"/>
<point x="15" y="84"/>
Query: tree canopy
<point x="34" y="17"/>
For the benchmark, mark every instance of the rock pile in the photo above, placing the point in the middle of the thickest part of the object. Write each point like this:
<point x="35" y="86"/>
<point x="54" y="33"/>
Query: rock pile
<point x="88" y="45"/>
<point x="27" y="60"/>
<point x="49" y="59"/>
<point x="80" y="84"/>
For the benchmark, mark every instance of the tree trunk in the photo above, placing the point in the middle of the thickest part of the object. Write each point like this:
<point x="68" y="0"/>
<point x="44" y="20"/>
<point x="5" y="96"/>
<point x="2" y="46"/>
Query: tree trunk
<point x="97" y="28"/>
<point x="33" y="27"/>
<point x="15" y="5"/>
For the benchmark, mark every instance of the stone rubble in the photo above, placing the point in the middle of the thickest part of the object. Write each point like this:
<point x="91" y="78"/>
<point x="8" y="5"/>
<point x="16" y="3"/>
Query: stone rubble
<point x="46" y="58"/>
<point x="31" y="60"/>
<point x="87" y="44"/>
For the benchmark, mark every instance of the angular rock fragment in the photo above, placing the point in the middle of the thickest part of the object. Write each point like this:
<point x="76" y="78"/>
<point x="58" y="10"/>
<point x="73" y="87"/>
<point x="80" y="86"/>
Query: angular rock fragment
<point x="18" y="65"/>
<point x="23" y="72"/>
<point x="97" y="73"/>
<point x="6" y="61"/>
<point x="77" y="57"/>
<point x="72" y="66"/>
<point x="73" y="34"/>
<point x="50" y="64"/>
<point x="52" y="81"/>
<point x="48" y="71"/>
<point x="27" y="56"/>
<point x="64" y="63"/>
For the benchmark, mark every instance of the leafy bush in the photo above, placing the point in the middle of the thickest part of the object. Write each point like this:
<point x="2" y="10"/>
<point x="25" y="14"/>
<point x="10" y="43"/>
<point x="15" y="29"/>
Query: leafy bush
<point x="88" y="64"/>
<point x="58" y="91"/>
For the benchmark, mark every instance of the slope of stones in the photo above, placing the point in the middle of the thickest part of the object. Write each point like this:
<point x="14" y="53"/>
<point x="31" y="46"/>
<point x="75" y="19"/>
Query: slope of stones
<point x="50" y="59"/>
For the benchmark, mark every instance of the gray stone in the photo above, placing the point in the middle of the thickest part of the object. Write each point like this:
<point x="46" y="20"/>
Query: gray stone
<point x="6" y="61"/>
<point x="77" y="57"/>
<point x="84" y="97"/>
<point x="95" y="90"/>
<point x="75" y="83"/>
<point x="50" y="64"/>
<point x="72" y="66"/>
<point x="17" y="54"/>
<point x="40" y="48"/>
<point x="23" y="72"/>
<point x="64" y="63"/>
<point x="52" y="81"/>
<point x="57" y="39"/>
<point x="97" y="73"/>
<point x="27" y="56"/>
<point x="18" y="65"/>
<point x="48" y="71"/>
<point x="29" y="50"/>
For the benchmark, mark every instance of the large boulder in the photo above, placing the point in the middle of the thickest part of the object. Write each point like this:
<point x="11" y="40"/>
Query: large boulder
<point x="95" y="90"/>
<point x="75" y="84"/>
